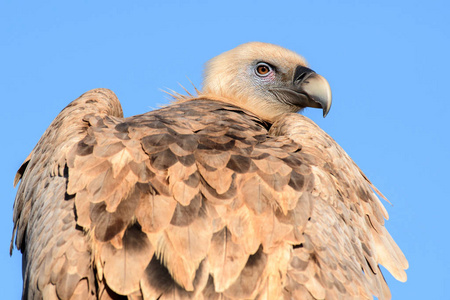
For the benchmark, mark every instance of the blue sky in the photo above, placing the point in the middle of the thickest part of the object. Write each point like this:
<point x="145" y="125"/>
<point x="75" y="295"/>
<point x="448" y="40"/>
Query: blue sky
<point x="386" y="61"/>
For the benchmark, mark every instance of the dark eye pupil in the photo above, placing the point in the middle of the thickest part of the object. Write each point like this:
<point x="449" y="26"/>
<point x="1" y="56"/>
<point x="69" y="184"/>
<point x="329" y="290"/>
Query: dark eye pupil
<point x="263" y="69"/>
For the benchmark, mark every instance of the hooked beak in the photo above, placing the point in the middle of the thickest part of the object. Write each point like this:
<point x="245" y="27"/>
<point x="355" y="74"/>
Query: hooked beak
<point x="313" y="89"/>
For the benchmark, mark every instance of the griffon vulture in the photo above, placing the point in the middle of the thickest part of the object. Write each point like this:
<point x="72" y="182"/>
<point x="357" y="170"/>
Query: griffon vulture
<point x="228" y="194"/>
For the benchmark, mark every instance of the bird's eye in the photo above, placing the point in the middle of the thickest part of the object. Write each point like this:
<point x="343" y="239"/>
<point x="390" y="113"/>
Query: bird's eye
<point x="263" y="69"/>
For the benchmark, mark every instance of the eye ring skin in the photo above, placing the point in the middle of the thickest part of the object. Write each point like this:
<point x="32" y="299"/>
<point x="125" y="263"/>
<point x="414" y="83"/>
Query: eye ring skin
<point x="263" y="70"/>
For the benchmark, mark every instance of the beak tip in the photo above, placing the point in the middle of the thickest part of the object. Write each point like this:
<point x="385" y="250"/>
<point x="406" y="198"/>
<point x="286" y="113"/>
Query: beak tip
<point x="327" y="108"/>
<point x="319" y="91"/>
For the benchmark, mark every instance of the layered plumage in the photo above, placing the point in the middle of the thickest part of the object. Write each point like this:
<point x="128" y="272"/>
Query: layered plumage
<point x="226" y="195"/>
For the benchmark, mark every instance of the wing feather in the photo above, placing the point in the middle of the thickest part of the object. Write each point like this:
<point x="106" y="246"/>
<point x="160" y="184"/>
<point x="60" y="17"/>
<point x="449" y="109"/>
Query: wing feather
<point x="198" y="200"/>
<point x="344" y="202"/>
<point x="56" y="254"/>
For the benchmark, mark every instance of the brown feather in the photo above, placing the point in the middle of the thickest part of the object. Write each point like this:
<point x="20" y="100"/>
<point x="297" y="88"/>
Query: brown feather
<point x="124" y="267"/>
<point x="226" y="260"/>
<point x="154" y="212"/>
<point x="250" y="279"/>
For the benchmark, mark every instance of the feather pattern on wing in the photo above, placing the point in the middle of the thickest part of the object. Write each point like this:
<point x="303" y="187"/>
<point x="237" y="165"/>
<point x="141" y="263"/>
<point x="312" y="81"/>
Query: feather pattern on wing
<point x="262" y="212"/>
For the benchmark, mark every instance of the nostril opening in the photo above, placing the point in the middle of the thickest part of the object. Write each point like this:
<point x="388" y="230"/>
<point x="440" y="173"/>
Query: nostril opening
<point x="301" y="77"/>
<point x="302" y="73"/>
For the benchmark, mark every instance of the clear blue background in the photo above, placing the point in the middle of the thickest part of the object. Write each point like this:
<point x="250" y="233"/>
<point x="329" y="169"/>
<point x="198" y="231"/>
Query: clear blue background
<point x="387" y="62"/>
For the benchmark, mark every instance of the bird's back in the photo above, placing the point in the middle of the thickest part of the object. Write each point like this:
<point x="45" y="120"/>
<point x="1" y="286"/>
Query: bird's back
<point x="197" y="200"/>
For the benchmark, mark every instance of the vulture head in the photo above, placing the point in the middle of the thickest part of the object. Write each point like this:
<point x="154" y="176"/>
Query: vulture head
<point x="265" y="79"/>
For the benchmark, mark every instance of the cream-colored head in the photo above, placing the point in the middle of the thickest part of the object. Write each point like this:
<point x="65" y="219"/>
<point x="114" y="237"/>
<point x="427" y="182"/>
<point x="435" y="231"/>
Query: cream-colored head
<point x="265" y="79"/>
